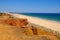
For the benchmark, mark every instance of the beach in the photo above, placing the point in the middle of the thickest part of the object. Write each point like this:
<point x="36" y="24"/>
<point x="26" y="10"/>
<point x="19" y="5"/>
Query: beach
<point x="22" y="27"/>
<point x="42" y="22"/>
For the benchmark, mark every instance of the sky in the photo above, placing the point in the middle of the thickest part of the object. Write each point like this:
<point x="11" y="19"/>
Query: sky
<point x="30" y="6"/>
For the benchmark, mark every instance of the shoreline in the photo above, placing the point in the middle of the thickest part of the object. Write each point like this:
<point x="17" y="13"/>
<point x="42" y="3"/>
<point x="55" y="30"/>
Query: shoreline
<point x="52" y="19"/>
<point x="42" y="22"/>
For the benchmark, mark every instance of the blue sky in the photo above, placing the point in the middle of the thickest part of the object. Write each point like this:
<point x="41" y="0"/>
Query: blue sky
<point x="34" y="6"/>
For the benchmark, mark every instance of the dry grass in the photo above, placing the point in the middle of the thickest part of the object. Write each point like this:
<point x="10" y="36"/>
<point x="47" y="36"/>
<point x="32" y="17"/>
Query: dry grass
<point x="13" y="33"/>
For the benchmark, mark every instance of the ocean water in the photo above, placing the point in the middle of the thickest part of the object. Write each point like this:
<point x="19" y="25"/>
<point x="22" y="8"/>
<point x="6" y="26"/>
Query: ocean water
<point x="49" y="16"/>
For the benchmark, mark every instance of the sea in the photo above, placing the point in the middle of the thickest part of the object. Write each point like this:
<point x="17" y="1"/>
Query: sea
<point x="49" y="16"/>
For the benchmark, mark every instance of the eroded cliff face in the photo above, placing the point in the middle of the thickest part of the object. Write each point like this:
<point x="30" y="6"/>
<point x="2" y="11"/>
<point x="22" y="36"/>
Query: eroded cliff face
<point x="10" y="20"/>
<point x="12" y="28"/>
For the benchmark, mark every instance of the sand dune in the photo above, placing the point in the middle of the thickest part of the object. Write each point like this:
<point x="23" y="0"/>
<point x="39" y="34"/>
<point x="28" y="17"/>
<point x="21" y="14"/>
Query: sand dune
<point x="42" y="22"/>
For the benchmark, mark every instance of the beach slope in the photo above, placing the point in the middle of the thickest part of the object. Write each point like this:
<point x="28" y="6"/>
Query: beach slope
<point x="42" y="22"/>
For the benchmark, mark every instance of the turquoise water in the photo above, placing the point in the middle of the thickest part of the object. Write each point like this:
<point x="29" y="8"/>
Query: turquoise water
<point x="49" y="16"/>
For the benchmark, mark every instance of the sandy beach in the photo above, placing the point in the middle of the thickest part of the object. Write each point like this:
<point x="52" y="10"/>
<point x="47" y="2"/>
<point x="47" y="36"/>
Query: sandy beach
<point x="42" y="22"/>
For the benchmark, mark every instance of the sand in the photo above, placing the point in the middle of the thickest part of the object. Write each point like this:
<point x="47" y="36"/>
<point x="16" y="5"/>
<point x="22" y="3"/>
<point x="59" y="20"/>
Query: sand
<point x="54" y="25"/>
